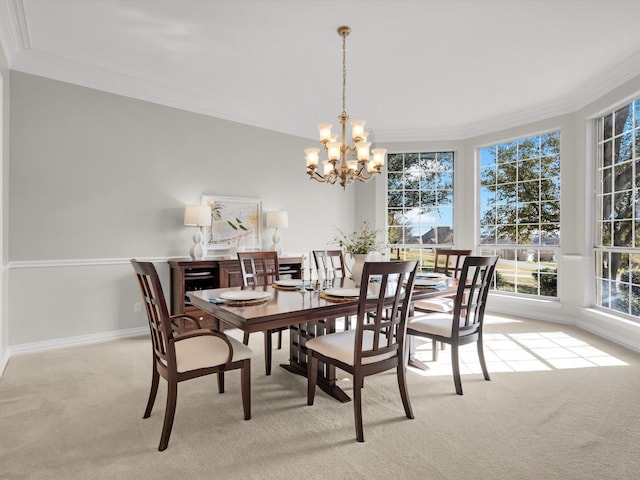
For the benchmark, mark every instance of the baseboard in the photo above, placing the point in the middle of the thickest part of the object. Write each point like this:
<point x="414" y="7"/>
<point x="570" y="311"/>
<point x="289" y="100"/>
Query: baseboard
<point x="75" y="341"/>
<point x="611" y="327"/>
<point x="3" y="362"/>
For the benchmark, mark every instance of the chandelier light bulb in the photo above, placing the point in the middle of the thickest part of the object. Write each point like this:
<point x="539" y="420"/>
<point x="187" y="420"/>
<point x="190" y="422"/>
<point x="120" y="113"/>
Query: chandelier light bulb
<point x="333" y="150"/>
<point x="311" y="155"/>
<point x="363" y="150"/>
<point x="325" y="132"/>
<point x="357" y="130"/>
<point x="378" y="156"/>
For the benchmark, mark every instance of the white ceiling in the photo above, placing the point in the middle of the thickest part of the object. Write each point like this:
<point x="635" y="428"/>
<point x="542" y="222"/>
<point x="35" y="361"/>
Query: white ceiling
<point x="416" y="70"/>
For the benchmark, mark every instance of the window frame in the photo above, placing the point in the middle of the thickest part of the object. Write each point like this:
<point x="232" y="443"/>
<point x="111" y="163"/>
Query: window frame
<point x="553" y="250"/>
<point x="597" y="142"/>
<point x="424" y="252"/>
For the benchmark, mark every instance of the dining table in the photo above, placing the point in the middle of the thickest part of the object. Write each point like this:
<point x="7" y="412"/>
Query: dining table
<point x="308" y="312"/>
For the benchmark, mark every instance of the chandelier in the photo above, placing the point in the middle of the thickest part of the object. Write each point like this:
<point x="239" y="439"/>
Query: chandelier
<point x="337" y="167"/>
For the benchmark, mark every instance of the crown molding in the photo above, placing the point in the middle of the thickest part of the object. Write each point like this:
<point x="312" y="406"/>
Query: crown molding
<point x="38" y="63"/>
<point x="620" y="71"/>
<point x="14" y="32"/>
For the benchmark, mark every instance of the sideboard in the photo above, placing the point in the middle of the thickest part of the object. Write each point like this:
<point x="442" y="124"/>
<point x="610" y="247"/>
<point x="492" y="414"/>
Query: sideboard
<point x="190" y="275"/>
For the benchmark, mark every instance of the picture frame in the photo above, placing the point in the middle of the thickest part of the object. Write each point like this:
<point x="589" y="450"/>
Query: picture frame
<point x="235" y="223"/>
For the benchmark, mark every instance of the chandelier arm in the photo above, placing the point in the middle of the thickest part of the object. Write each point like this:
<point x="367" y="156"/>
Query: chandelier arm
<point x="317" y="177"/>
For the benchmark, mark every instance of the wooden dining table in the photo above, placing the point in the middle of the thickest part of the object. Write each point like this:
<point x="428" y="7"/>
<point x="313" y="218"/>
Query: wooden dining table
<point x="307" y="313"/>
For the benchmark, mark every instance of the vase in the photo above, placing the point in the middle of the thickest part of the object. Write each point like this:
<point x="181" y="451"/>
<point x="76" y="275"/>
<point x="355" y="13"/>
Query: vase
<point x="358" y="265"/>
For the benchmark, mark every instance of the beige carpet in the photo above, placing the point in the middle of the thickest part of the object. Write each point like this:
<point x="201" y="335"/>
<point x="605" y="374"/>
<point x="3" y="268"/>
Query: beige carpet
<point x="562" y="404"/>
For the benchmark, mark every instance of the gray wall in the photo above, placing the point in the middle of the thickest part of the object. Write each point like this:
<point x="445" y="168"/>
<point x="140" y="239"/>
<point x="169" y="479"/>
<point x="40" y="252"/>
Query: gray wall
<point x="4" y="207"/>
<point x="98" y="178"/>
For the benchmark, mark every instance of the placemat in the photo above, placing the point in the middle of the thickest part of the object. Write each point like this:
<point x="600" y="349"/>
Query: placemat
<point x="280" y="287"/>
<point x="331" y="298"/>
<point x="439" y="286"/>
<point x="246" y="303"/>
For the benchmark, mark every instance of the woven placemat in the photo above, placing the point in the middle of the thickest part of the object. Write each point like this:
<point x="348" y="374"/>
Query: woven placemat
<point x="246" y="303"/>
<point x="331" y="298"/>
<point x="281" y="287"/>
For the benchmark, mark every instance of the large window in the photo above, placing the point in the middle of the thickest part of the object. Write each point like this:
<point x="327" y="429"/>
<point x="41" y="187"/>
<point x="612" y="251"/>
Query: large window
<point x="617" y="243"/>
<point x="419" y="204"/>
<point x="520" y="212"/>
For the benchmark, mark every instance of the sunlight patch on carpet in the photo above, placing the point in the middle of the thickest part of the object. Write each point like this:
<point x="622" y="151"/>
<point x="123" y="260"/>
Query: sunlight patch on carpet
<point x="519" y="352"/>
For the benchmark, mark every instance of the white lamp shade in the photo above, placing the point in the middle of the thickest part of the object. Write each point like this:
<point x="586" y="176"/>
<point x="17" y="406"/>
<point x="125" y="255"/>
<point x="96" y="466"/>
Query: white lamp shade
<point x="363" y="150"/>
<point x="357" y="129"/>
<point x="325" y="132"/>
<point x="277" y="220"/>
<point x="197" y="215"/>
<point x="379" y="155"/>
<point x="333" y="150"/>
<point x="311" y="155"/>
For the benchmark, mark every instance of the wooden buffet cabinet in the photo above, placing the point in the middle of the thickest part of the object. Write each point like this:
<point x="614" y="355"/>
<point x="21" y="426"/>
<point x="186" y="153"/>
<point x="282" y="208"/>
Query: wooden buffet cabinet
<point x="190" y="275"/>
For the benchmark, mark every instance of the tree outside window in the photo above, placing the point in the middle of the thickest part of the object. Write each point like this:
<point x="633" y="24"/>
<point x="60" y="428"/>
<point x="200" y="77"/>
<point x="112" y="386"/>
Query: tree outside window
<point x="617" y="242"/>
<point x="520" y="212"/>
<point x="419" y="204"/>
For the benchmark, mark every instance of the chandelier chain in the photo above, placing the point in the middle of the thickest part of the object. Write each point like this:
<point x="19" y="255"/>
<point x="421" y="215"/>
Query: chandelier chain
<point x="344" y="74"/>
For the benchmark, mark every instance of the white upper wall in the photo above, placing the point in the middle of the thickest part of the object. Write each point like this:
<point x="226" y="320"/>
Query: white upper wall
<point x="4" y="206"/>
<point x="96" y="175"/>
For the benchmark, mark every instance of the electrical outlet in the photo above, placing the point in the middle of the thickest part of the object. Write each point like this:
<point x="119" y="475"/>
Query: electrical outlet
<point x="137" y="308"/>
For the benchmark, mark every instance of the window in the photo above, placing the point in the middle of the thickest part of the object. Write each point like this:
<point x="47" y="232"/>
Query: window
<point x="617" y="242"/>
<point x="520" y="212"/>
<point x="419" y="204"/>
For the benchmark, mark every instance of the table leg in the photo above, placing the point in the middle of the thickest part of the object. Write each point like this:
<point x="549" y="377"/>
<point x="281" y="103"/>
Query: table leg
<point x="298" y="335"/>
<point x="413" y="360"/>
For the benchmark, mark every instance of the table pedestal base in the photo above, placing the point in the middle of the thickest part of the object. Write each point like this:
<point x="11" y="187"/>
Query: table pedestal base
<point x="327" y="386"/>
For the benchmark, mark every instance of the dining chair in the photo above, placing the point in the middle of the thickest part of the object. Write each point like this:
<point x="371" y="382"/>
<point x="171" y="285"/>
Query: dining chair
<point x="448" y="262"/>
<point x="332" y="260"/>
<point x="183" y="355"/>
<point x="261" y="269"/>
<point x="465" y="323"/>
<point x="376" y="344"/>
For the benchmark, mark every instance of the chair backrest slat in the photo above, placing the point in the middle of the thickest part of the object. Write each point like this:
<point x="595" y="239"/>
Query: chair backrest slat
<point x="259" y="268"/>
<point x="330" y="259"/>
<point x="473" y="287"/>
<point x="156" y="307"/>
<point x="389" y="305"/>
<point x="449" y="261"/>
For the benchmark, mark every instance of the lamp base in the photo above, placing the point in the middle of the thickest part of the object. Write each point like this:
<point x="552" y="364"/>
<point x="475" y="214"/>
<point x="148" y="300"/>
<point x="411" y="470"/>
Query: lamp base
<point x="198" y="250"/>
<point x="276" y="246"/>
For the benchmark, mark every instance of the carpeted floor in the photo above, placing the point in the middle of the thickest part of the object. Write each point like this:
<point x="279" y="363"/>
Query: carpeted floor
<point x="561" y="404"/>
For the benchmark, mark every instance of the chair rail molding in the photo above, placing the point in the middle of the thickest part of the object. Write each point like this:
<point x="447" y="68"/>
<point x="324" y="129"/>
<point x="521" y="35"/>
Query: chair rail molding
<point x="82" y="262"/>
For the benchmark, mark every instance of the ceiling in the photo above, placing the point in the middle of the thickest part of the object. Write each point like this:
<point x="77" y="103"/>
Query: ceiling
<point x="416" y="70"/>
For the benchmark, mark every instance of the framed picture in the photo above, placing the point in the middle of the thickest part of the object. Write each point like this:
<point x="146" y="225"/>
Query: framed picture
<point x="235" y="223"/>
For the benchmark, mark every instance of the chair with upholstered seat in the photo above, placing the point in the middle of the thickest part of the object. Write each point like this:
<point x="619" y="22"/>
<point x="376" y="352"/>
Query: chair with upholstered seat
<point x="180" y="356"/>
<point x="376" y="344"/>
<point x="260" y="269"/>
<point x="448" y="262"/>
<point x="333" y="261"/>
<point x="465" y="323"/>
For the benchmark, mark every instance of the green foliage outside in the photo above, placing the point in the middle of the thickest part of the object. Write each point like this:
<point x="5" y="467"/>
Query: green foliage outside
<point x="624" y="298"/>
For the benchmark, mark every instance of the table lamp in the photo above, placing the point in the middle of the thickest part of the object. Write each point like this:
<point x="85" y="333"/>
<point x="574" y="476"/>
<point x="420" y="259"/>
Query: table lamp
<point x="277" y="220"/>
<point x="198" y="215"/>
